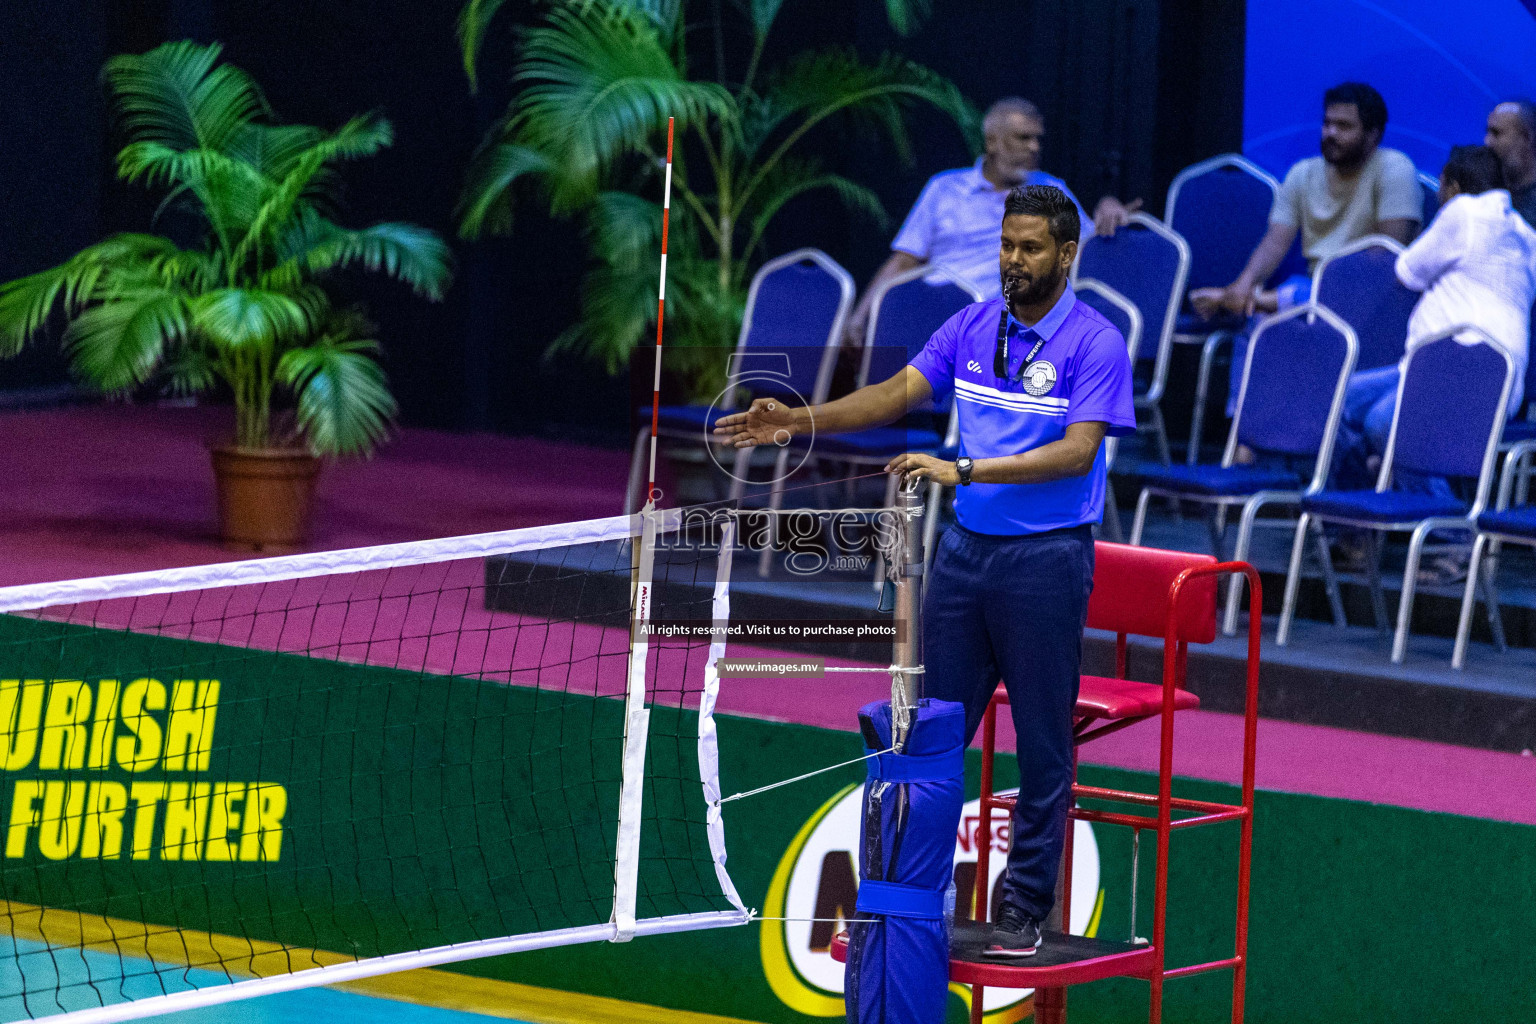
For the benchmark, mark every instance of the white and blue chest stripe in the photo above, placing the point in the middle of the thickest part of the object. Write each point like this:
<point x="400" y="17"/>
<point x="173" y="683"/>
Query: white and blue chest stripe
<point x="1010" y="401"/>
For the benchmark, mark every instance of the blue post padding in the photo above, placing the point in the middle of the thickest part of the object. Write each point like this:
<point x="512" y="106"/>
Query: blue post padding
<point x="898" y="960"/>
<point x="939" y="767"/>
<point x="899" y="900"/>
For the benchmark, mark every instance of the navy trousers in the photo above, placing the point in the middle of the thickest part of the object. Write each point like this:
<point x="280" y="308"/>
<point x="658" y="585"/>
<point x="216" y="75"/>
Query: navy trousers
<point x="1013" y="608"/>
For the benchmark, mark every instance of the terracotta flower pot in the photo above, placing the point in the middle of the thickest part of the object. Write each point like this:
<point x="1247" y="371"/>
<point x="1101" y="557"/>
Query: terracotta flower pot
<point x="264" y="496"/>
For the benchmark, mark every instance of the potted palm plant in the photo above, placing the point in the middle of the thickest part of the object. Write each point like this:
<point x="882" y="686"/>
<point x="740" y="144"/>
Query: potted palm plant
<point x="598" y="80"/>
<point x="244" y="305"/>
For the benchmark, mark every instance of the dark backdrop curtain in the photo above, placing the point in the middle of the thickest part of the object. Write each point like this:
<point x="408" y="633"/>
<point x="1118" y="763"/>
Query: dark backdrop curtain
<point x="1132" y="90"/>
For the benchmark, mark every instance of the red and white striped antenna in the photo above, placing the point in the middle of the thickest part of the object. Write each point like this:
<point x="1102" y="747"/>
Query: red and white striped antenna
<point x="661" y="309"/>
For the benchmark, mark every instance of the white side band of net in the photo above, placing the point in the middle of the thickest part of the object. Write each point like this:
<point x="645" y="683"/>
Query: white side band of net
<point x="626" y="868"/>
<point x="709" y="740"/>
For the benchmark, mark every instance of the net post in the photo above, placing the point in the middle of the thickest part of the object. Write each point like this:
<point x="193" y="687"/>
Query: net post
<point x="906" y="572"/>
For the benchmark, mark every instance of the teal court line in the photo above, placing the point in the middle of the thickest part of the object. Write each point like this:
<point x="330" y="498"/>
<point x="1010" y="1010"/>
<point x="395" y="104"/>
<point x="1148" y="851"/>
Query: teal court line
<point x="59" y="980"/>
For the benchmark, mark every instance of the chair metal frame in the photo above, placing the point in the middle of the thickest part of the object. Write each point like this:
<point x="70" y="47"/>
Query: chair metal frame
<point x="1152" y="398"/>
<point x="1529" y="404"/>
<point x="1367" y="242"/>
<point x="1187" y="614"/>
<point x="1387" y="242"/>
<point x="1490" y="541"/>
<point x="1253" y="503"/>
<point x="1132" y="347"/>
<point x="1214" y="340"/>
<point x="952" y="428"/>
<point x="1209" y="341"/>
<point x="1420" y="528"/>
<point x="1204" y="166"/>
<point x="1130" y="309"/>
<point x="823" y="384"/>
<point x="921" y="272"/>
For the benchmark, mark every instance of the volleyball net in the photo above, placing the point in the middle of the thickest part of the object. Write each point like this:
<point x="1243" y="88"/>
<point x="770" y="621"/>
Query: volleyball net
<point x="230" y="780"/>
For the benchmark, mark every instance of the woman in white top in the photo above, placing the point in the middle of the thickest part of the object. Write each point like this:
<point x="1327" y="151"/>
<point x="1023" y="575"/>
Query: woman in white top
<point x="1475" y="264"/>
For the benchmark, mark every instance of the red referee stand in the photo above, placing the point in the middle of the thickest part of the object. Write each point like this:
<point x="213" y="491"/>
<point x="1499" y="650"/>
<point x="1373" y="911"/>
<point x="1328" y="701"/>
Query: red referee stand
<point x="1141" y="592"/>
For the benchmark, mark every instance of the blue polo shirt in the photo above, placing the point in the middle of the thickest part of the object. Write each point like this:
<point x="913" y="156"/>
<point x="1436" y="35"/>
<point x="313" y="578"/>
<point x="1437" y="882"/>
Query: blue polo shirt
<point x="1081" y="373"/>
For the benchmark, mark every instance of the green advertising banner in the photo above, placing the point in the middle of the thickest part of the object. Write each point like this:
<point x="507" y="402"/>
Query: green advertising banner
<point x="1343" y="893"/>
<point x="359" y="810"/>
<point x="320" y="803"/>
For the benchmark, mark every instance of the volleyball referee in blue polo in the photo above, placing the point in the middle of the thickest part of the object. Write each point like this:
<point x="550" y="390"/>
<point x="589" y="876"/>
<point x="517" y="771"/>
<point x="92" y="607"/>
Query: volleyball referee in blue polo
<point x="1040" y="379"/>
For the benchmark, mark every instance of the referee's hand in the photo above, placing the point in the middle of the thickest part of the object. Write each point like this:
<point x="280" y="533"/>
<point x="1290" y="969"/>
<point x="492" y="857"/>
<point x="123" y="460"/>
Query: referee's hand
<point x="766" y="421"/>
<point x="925" y="467"/>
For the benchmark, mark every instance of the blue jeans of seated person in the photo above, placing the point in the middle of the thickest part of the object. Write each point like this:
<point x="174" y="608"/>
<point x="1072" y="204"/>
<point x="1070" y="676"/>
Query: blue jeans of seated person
<point x="1370" y="399"/>
<point x="1369" y="402"/>
<point x="1293" y="291"/>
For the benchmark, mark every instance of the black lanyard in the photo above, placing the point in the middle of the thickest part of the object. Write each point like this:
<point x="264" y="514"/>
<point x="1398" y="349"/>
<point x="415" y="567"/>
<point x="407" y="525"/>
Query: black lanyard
<point x="1000" y="355"/>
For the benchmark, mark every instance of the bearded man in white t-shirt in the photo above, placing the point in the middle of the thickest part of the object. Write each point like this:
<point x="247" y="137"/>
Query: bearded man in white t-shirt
<point x="1357" y="187"/>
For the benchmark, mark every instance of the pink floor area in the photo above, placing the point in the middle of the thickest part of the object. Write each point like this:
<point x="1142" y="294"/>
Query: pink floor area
<point x="113" y="489"/>
<point x="1337" y="763"/>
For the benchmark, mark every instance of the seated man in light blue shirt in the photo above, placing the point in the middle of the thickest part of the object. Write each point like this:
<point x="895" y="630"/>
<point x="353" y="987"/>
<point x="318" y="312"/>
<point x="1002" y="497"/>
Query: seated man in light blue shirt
<point x="954" y="221"/>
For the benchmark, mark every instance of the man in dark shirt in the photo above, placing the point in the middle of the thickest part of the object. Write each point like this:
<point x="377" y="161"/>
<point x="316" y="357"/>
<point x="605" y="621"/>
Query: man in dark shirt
<point x="1512" y="137"/>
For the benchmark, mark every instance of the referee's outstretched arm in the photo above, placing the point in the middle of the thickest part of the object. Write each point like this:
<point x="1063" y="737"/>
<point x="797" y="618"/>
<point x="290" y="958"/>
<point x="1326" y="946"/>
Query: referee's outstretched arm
<point x="770" y="421"/>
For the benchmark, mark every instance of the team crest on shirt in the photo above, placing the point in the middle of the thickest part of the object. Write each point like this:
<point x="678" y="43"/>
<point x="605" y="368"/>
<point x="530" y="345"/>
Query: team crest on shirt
<point x="1040" y="378"/>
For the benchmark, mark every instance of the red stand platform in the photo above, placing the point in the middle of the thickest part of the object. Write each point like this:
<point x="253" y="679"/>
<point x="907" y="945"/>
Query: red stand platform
<point x="1145" y="592"/>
